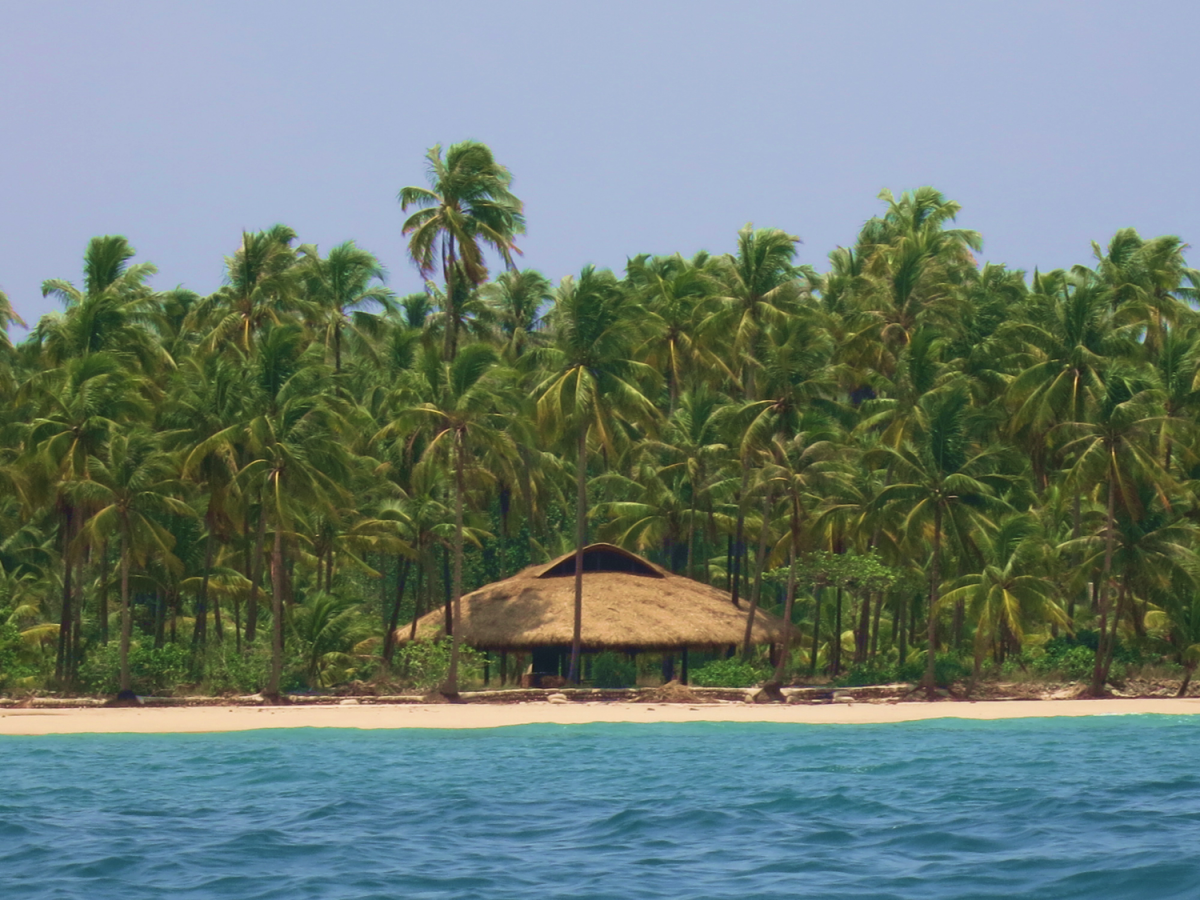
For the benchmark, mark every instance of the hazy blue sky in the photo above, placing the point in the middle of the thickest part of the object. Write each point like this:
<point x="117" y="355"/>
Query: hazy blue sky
<point x="629" y="127"/>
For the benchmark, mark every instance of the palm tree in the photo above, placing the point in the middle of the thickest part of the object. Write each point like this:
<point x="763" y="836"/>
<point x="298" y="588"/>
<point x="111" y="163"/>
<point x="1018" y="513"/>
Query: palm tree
<point x="342" y="288"/>
<point x="260" y="290"/>
<point x="516" y="298"/>
<point x="468" y="205"/>
<point x="1010" y="593"/>
<point x="590" y="389"/>
<point x="1115" y="452"/>
<point x="467" y="413"/>
<point x="134" y="489"/>
<point x="300" y="461"/>
<point x="943" y="482"/>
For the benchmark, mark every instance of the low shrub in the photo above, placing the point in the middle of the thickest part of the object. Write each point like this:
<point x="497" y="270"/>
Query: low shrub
<point x="151" y="669"/>
<point x="612" y="670"/>
<point x="423" y="666"/>
<point x="729" y="673"/>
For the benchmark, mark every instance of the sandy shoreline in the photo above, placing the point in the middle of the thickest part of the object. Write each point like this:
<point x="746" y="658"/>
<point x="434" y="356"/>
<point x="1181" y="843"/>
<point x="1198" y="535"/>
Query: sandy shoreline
<point x="366" y="716"/>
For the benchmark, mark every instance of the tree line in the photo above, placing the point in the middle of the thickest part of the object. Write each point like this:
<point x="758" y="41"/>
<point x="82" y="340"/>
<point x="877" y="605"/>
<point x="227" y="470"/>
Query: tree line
<point x="909" y="454"/>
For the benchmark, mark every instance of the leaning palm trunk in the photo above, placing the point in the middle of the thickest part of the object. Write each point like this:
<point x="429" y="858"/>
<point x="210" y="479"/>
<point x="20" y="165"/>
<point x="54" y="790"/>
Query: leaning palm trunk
<point x="1188" y="669"/>
<point x="450" y="689"/>
<point x="759" y="561"/>
<point x="126" y="615"/>
<point x="276" y="614"/>
<point x="580" y="537"/>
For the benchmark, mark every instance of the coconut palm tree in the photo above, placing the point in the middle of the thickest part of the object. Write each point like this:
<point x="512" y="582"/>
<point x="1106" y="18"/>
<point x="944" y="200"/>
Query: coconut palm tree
<point x="592" y="386"/>
<point x="944" y="486"/>
<point x="1114" y="452"/>
<point x="467" y="407"/>
<point x="343" y="288"/>
<point x="134" y="489"/>
<point x="467" y="206"/>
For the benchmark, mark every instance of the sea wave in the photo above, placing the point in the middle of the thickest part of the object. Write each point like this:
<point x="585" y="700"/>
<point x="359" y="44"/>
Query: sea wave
<point x="1048" y="808"/>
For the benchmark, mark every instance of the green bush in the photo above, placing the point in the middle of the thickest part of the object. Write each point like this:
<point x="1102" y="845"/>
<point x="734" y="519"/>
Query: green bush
<point x="11" y="665"/>
<point x="151" y="670"/>
<point x="612" y="670"/>
<point x="729" y="673"/>
<point x="423" y="666"/>
<point x="228" y="671"/>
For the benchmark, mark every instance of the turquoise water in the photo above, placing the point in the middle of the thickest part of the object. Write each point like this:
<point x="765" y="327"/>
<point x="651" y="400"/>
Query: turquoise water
<point x="1087" y="808"/>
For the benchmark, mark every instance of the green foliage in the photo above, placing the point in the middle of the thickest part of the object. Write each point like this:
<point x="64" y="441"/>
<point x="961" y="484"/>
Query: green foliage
<point x="733" y="672"/>
<point x="154" y="670"/>
<point x="613" y="670"/>
<point x="13" y="667"/>
<point x="423" y="665"/>
<point x="227" y="671"/>
<point x="948" y="668"/>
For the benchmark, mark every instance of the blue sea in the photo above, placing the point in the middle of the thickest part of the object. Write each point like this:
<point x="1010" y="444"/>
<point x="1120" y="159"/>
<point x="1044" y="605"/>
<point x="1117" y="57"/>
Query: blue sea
<point x="1089" y="808"/>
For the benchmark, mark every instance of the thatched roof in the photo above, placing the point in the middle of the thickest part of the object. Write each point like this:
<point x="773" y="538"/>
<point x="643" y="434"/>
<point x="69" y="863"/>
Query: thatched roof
<point x="628" y="603"/>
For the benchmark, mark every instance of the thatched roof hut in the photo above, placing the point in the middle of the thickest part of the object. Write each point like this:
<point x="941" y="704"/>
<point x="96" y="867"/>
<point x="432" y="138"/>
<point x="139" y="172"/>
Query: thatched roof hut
<point x="628" y="604"/>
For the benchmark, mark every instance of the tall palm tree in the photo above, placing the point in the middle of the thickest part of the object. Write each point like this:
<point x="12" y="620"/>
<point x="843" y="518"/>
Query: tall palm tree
<point x="592" y="386"/>
<point x="1114" y="452"/>
<point x="467" y="412"/>
<point x="945" y="484"/>
<point x="134" y="489"/>
<point x="467" y="206"/>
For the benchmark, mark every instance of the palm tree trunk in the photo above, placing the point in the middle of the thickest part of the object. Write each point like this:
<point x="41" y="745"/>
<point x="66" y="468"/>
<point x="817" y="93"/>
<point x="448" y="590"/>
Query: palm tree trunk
<point x="1187" y="679"/>
<point x="256" y="575"/>
<point x="788" y="603"/>
<point x="277" y="576"/>
<point x="451" y="687"/>
<point x="200" y="632"/>
<point x="759" y="561"/>
<point x="691" y="572"/>
<point x="62" y="665"/>
<point x="816" y="639"/>
<point x="104" y="593"/>
<point x="1100" y="671"/>
<point x="580" y="537"/>
<point x="738" y="533"/>
<point x="389" y="637"/>
<point x="126" y="614"/>
<point x="935" y="579"/>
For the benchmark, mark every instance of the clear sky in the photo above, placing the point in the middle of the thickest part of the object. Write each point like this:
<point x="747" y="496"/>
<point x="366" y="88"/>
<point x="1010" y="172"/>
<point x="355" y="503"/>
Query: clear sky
<point x="629" y="126"/>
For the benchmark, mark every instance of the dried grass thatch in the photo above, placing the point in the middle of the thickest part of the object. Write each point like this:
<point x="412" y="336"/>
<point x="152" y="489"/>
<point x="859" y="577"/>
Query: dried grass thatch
<point x="628" y="604"/>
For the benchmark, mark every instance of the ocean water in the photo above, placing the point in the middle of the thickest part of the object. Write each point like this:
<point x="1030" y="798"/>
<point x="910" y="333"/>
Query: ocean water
<point x="1047" y="808"/>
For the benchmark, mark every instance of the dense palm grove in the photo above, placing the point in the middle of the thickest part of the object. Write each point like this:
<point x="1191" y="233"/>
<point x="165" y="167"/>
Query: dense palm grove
<point x="260" y="489"/>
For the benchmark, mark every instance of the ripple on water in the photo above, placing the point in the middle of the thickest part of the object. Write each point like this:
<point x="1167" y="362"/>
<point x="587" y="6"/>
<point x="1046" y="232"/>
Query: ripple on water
<point x="1048" y="808"/>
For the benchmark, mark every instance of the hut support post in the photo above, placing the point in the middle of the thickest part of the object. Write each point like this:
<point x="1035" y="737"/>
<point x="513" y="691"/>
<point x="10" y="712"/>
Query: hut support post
<point x="503" y="667"/>
<point x="683" y="667"/>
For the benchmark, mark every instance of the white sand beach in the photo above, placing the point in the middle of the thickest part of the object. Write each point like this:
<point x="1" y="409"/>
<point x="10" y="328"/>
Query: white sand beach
<point x="372" y="716"/>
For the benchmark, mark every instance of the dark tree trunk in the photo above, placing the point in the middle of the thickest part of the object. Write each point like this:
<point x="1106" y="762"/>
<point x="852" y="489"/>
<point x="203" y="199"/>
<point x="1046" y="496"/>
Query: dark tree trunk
<point x="759" y="562"/>
<point x="816" y="637"/>
<point x="788" y="603"/>
<point x="126" y="615"/>
<point x="580" y="539"/>
<point x="277" y="576"/>
<point x="393" y="622"/>
<point x="934" y="586"/>
<point x="200" y="632"/>
<point x="1100" y="670"/>
<point x="104" y="575"/>
<point x="256" y="576"/>
<point x="62" y="664"/>
<point x="451" y="686"/>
